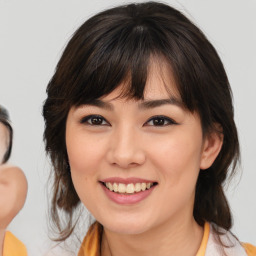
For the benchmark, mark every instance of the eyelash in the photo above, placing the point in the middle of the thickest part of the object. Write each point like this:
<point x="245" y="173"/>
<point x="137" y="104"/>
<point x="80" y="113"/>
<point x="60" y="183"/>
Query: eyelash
<point x="162" y="121"/>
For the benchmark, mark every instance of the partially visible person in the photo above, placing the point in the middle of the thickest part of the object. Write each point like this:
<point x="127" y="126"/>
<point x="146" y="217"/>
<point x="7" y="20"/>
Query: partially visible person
<point x="13" y="190"/>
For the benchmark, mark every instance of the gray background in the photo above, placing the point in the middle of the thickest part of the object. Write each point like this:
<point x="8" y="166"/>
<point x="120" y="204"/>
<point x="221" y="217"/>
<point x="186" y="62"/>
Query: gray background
<point x="33" y="35"/>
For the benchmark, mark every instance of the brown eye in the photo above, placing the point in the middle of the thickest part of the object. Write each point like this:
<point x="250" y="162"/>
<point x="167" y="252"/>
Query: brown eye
<point x="94" y="120"/>
<point x="160" y="121"/>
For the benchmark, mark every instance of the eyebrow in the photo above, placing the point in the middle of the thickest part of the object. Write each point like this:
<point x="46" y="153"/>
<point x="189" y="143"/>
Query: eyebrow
<point x="100" y="104"/>
<point x="148" y="104"/>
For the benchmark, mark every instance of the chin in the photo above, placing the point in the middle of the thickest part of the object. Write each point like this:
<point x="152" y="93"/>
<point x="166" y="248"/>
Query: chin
<point x="126" y="226"/>
<point x="127" y="229"/>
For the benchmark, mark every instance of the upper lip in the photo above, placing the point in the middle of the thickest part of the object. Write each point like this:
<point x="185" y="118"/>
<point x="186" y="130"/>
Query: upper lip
<point x="130" y="180"/>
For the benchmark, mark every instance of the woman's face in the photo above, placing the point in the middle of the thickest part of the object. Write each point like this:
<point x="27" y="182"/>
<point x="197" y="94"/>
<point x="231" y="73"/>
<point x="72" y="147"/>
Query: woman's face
<point x="149" y="151"/>
<point x="4" y="140"/>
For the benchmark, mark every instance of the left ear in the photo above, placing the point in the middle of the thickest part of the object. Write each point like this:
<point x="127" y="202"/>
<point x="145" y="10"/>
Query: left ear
<point x="211" y="147"/>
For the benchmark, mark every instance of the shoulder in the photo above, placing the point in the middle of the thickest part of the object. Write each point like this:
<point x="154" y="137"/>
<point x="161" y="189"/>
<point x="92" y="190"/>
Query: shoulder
<point x="250" y="249"/>
<point x="91" y="242"/>
<point x="226" y="244"/>
<point x="13" y="246"/>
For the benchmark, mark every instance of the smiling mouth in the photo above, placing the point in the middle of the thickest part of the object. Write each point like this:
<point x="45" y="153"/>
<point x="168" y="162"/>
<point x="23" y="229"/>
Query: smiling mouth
<point x="130" y="188"/>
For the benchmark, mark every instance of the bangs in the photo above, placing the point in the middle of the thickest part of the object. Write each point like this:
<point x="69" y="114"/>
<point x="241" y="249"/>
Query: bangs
<point x="122" y="58"/>
<point x="114" y="57"/>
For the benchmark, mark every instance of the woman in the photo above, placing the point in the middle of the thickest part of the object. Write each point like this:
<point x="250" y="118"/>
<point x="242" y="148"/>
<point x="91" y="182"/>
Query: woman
<point x="139" y="127"/>
<point x="13" y="191"/>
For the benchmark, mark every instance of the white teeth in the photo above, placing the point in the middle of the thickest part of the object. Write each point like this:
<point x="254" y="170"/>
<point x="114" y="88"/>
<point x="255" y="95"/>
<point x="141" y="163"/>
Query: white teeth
<point x="128" y="188"/>
<point x="121" y="188"/>
<point x="115" y="187"/>
<point x="109" y="186"/>
<point x="137" y="187"/>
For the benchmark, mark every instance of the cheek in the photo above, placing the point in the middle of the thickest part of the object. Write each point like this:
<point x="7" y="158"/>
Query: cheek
<point x="177" y="164"/>
<point x="83" y="153"/>
<point x="177" y="158"/>
<point x="3" y="143"/>
<point x="178" y="152"/>
<point x="85" y="160"/>
<point x="2" y="152"/>
<point x="82" y="165"/>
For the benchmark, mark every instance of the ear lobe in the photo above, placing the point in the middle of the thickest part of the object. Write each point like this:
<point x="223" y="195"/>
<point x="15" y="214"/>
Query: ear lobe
<point x="211" y="148"/>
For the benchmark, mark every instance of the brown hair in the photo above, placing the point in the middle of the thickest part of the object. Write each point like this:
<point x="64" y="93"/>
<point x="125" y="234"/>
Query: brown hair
<point x="5" y="120"/>
<point x="115" y="46"/>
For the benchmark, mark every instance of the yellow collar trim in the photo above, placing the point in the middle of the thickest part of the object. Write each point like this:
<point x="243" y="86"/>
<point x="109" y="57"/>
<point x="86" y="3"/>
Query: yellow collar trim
<point x="92" y="241"/>
<point x="202" y="248"/>
<point x="13" y="246"/>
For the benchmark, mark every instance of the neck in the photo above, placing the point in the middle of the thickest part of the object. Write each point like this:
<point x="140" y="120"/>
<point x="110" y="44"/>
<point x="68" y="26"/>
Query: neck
<point x="174" y="238"/>
<point x="2" y="234"/>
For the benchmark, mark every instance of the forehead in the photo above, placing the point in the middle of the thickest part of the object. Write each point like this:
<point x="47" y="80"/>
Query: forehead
<point x="160" y="83"/>
<point x="160" y="80"/>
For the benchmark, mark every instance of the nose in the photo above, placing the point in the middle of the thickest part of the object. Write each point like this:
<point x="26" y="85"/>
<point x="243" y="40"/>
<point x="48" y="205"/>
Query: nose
<point x="126" y="148"/>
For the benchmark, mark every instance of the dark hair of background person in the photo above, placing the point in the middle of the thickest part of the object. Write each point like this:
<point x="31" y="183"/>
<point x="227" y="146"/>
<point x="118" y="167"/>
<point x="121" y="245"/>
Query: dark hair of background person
<point x="4" y="119"/>
<point x="116" y="46"/>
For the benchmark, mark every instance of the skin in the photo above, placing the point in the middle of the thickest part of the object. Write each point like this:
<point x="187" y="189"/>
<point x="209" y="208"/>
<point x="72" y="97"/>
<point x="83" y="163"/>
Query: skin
<point x="13" y="190"/>
<point x="128" y="144"/>
<point x="4" y="139"/>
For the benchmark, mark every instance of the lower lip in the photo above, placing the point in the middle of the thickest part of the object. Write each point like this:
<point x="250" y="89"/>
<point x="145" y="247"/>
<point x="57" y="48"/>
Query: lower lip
<point x="127" y="199"/>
